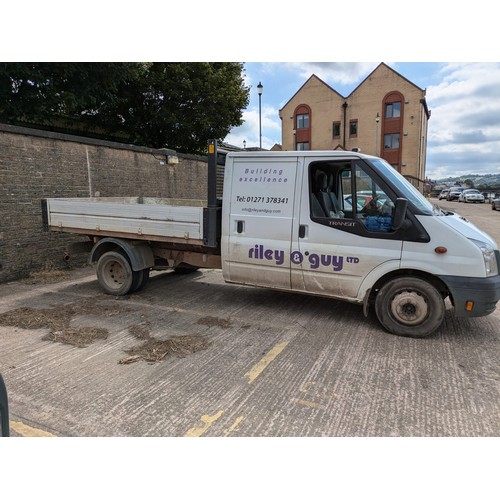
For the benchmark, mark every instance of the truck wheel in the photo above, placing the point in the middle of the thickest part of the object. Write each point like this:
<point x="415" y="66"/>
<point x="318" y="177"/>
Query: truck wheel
<point x="115" y="274"/>
<point x="410" y="307"/>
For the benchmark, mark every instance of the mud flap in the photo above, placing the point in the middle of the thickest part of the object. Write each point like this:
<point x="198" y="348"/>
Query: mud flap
<point x="365" y="303"/>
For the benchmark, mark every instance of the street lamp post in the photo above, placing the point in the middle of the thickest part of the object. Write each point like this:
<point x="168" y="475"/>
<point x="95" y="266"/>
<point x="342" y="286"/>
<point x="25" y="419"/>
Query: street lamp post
<point x="259" y="91"/>
<point x="377" y="120"/>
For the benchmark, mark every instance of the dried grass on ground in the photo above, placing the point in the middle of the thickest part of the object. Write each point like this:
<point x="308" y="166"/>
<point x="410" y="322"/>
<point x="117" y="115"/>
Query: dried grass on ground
<point x="153" y="350"/>
<point x="213" y="321"/>
<point x="49" y="274"/>
<point x="58" y="318"/>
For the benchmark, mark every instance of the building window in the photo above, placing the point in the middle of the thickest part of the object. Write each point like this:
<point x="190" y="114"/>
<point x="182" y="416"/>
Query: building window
<point x="353" y="127"/>
<point x="303" y="120"/>
<point x="393" y="110"/>
<point x="336" y="129"/>
<point x="391" y="141"/>
<point x="302" y="146"/>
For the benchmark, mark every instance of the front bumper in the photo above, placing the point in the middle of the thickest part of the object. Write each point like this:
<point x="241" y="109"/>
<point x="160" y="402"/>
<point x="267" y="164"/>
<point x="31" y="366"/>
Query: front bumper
<point x="484" y="293"/>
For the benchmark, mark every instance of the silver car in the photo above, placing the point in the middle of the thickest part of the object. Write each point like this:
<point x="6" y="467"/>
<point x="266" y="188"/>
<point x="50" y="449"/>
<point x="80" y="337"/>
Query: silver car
<point x="443" y="194"/>
<point x="471" y="196"/>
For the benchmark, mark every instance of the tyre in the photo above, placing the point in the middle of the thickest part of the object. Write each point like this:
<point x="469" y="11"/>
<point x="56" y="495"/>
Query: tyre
<point x="143" y="279"/>
<point x="410" y="307"/>
<point x="493" y="206"/>
<point x="115" y="274"/>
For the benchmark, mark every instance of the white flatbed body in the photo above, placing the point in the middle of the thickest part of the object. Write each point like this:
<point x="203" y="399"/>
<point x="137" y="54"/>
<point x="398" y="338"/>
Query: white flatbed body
<point x="153" y="219"/>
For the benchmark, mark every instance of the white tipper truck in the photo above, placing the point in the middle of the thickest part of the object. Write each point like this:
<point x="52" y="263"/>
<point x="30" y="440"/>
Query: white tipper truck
<point x="339" y="224"/>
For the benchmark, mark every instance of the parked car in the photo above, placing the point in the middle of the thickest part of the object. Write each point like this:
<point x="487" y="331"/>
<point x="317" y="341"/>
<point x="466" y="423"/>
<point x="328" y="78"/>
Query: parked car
<point x="443" y="194"/>
<point x="454" y="194"/>
<point x="495" y="203"/>
<point x="488" y="197"/>
<point x="471" y="196"/>
<point x="363" y="198"/>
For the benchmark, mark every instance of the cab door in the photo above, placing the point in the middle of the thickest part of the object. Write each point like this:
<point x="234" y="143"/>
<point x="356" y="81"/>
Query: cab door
<point x="335" y="248"/>
<point x="261" y="209"/>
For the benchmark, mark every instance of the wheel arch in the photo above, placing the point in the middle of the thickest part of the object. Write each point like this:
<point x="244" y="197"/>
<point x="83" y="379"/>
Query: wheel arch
<point x="413" y="273"/>
<point x="139" y="253"/>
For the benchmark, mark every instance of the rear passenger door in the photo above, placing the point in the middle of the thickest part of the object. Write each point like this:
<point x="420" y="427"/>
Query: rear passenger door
<point x="260" y="221"/>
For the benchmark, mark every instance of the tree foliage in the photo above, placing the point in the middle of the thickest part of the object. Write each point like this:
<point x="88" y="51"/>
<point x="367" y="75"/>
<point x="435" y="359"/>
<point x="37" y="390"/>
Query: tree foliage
<point x="175" y="105"/>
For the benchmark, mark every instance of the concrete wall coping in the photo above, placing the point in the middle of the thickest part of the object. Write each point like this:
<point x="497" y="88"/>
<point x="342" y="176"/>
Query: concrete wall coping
<point x="46" y="134"/>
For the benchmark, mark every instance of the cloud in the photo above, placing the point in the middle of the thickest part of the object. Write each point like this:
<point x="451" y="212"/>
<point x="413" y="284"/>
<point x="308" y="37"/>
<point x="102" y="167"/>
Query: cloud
<point x="333" y="72"/>
<point x="464" y="129"/>
<point x="249" y="131"/>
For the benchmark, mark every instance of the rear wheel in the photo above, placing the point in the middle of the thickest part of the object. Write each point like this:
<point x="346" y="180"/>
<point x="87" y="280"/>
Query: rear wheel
<point x="115" y="274"/>
<point x="410" y="307"/>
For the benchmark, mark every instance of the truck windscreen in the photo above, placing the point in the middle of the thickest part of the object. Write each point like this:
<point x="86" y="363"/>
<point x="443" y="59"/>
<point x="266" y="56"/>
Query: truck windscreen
<point x="405" y="189"/>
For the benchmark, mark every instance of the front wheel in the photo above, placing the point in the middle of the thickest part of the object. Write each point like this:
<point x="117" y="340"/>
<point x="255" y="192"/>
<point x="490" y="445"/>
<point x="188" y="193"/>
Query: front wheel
<point x="410" y="307"/>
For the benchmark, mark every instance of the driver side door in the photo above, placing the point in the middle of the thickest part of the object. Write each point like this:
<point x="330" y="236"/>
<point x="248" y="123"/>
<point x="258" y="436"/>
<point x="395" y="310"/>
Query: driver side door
<point x="335" y="249"/>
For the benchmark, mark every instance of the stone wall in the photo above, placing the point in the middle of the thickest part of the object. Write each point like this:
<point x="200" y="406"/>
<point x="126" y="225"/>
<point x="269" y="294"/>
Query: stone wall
<point x="37" y="164"/>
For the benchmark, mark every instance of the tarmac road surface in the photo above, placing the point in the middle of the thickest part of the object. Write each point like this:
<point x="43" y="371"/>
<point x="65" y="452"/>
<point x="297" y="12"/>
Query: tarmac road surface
<point x="265" y="363"/>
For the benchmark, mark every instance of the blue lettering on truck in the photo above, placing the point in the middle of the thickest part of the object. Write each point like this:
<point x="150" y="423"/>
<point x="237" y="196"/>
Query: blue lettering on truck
<point x="336" y="262"/>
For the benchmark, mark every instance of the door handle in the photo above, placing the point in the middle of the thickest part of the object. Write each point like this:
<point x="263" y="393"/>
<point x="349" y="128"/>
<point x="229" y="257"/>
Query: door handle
<point x="302" y="231"/>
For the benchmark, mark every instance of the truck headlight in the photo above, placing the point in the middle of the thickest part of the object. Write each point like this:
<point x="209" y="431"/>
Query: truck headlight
<point x="490" y="259"/>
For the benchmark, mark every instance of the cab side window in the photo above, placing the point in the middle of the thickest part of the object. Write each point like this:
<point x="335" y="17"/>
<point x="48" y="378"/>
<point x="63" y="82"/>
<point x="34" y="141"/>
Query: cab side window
<point x="345" y="190"/>
<point x="324" y="191"/>
<point x="373" y="206"/>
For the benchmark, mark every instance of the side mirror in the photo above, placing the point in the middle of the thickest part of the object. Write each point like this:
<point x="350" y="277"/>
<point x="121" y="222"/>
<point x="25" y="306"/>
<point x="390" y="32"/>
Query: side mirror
<point x="4" y="409"/>
<point x="399" y="213"/>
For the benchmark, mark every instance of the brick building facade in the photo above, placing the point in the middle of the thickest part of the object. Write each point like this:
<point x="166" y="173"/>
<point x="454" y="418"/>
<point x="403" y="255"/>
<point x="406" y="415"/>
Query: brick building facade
<point x="386" y="115"/>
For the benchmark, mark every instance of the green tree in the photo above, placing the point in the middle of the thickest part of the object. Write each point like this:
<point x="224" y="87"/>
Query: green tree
<point x="62" y="94"/>
<point x="175" y="105"/>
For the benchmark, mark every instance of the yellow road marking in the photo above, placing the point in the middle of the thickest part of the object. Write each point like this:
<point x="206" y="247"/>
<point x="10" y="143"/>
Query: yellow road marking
<point x="309" y="404"/>
<point x="264" y="362"/>
<point x="205" y="423"/>
<point x="233" y="427"/>
<point x="27" y="431"/>
<point x="318" y="390"/>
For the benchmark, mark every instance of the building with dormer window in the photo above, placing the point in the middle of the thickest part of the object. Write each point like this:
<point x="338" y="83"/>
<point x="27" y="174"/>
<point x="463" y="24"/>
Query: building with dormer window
<point x="385" y="115"/>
